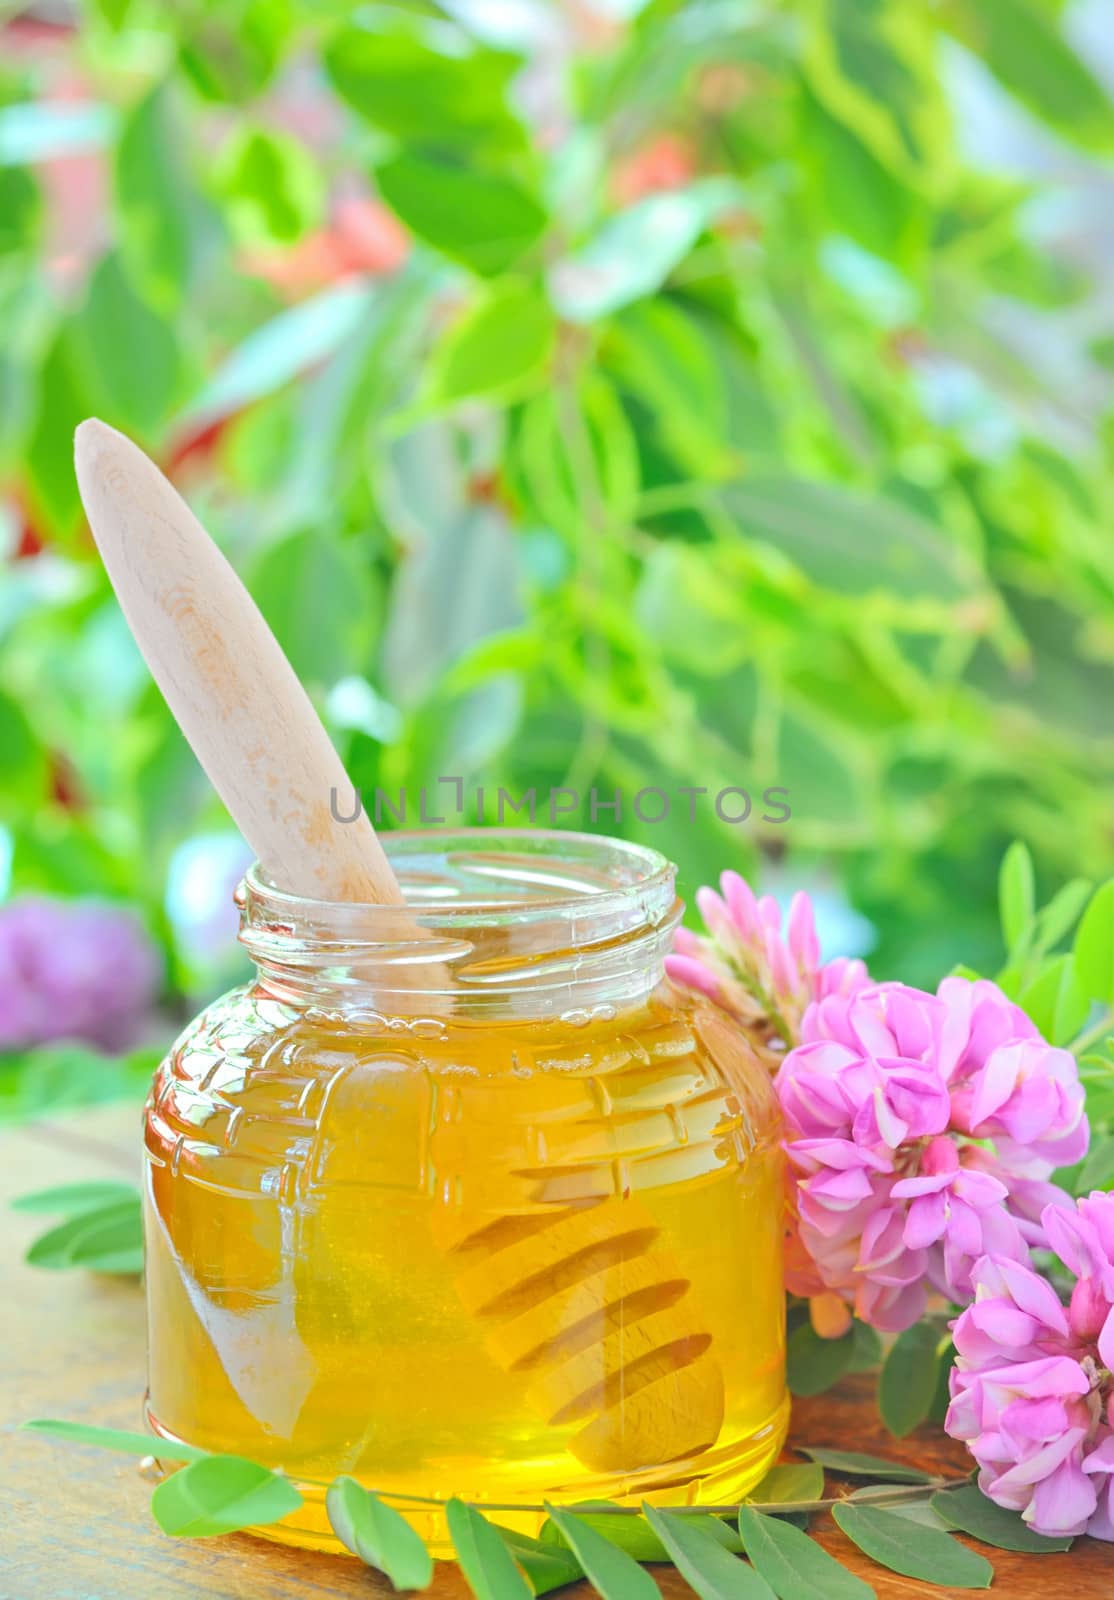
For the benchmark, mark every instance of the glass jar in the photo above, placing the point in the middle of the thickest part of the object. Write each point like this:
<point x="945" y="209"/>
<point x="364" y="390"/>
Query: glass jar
<point x="467" y="1199"/>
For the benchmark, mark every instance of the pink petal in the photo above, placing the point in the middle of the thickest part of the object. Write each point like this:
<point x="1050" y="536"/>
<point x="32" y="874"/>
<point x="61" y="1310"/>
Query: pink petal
<point x="1062" y="1502"/>
<point x="926" y="1221"/>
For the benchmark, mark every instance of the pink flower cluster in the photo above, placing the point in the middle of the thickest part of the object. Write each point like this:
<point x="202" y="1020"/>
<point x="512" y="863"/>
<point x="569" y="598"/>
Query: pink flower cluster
<point x="750" y="966"/>
<point x="1032" y="1388"/>
<point x="75" y="970"/>
<point x="922" y="1132"/>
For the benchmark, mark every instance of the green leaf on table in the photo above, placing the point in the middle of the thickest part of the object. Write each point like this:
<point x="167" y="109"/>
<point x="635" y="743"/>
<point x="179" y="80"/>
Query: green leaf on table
<point x="1016" y="894"/>
<point x="277" y="351"/>
<point x="378" y="1534"/>
<point x="1094" y="947"/>
<point x="615" y="1574"/>
<point x="789" y="1481"/>
<point x="221" y="1494"/>
<point x="868" y="1347"/>
<point x="634" y="1534"/>
<point x="484" y="1558"/>
<point x="485" y="221"/>
<point x="708" y="1569"/>
<point x="969" y="1510"/>
<point x="635" y="251"/>
<point x="119" y="1439"/>
<point x="850" y="1464"/>
<point x="815" y="1364"/>
<point x="915" y="1552"/>
<point x="547" y="1564"/>
<point x="53" y="1078"/>
<point x="76" y="1197"/>
<point x="497" y="348"/>
<point x="908" y="1383"/>
<point x="106" y="1239"/>
<point x="793" y="1564"/>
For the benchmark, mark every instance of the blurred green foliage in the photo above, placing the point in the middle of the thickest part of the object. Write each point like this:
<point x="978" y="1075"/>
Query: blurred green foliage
<point x="718" y="423"/>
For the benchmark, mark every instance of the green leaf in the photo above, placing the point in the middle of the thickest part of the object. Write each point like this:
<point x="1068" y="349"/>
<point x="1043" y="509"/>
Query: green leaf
<point x="484" y="221"/>
<point x="114" y="324"/>
<point x="379" y="1535"/>
<point x="635" y="251"/>
<point x="868" y="1347"/>
<point x="850" y="1464"/>
<point x="484" y="1558"/>
<point x="152" y="200"/>
<point x="790" y="1481"/>
<point x="1061" y="912"/>
<point x="1073" y="1005"/>
<point x="221" y="1494"/>
<point x="400" y="81"/>
<point x="108" y="1239"/>
<point x="908" y="1382"/>
<point x="25" y="762"/>
<point x="129" y="1444"/>
<point x="1016" y="895"/>
<point x="547" y="1565"/>
<point x="1094" y="947"/>
<point x="705" y="1565"/>
<point x="280" y="349"/>
<point x="615" y="1575"/>
<point x="1097" y="1170"/>
<point x="498" y="349"/>
<point x="969" y="1510"/>
<point x="73" y="1198"/>
<point x="271" y="186"/>
<point x="913" y="1551"/>
<point x="1023" y="44"/>
<point x="310" y="575"/>
<point x="849" y="542"/>
<point x="814" y="1364"/>
<point x="60" y="1077"/>
<point x="851" y="190"/>
<point x="20" y="211"/>
<point x="63" y="403"/>
<point x="635" y="1535"/>
<point x="795" y="1566"/>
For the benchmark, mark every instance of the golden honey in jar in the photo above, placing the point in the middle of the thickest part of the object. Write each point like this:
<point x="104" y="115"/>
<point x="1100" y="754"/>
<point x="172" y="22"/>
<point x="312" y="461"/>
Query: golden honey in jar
<point x="467" y="1199"/>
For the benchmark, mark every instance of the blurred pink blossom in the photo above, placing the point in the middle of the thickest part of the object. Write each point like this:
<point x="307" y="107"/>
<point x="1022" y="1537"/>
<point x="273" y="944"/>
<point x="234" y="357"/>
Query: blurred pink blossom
<point x="751" y="966"/>
<point x="884" y="1100"/>
<point x="1032" y="1391"/>
<point x="74" y="970"/>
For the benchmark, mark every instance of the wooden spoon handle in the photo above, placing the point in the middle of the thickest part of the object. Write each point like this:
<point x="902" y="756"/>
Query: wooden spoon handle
<point x="230" y="688"/>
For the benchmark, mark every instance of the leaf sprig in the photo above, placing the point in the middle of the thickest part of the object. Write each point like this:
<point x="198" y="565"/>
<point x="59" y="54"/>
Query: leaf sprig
<point x="756" y="1555"/>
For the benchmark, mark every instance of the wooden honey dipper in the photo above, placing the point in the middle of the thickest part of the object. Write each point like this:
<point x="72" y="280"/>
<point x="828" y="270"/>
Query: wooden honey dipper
<point x="580" y="1294"/>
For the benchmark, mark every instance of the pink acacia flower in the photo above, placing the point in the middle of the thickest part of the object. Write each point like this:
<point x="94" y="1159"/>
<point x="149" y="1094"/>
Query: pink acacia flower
<point x="1032" y="1388"/>
<point x="74" y="969"/>
<point x="923" y="1130"/>
<point x="750" y="966"/>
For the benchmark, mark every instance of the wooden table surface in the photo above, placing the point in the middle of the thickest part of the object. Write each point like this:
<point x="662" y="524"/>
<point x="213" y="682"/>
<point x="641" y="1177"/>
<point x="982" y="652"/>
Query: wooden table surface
<point x="74" y="1523"/>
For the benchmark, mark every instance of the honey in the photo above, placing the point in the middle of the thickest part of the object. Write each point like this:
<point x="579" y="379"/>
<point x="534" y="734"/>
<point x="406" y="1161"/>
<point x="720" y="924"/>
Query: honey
<point x="508" y="1228"/>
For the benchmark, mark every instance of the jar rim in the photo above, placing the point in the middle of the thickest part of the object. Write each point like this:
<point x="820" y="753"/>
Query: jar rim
<point x="613" y="874"/>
